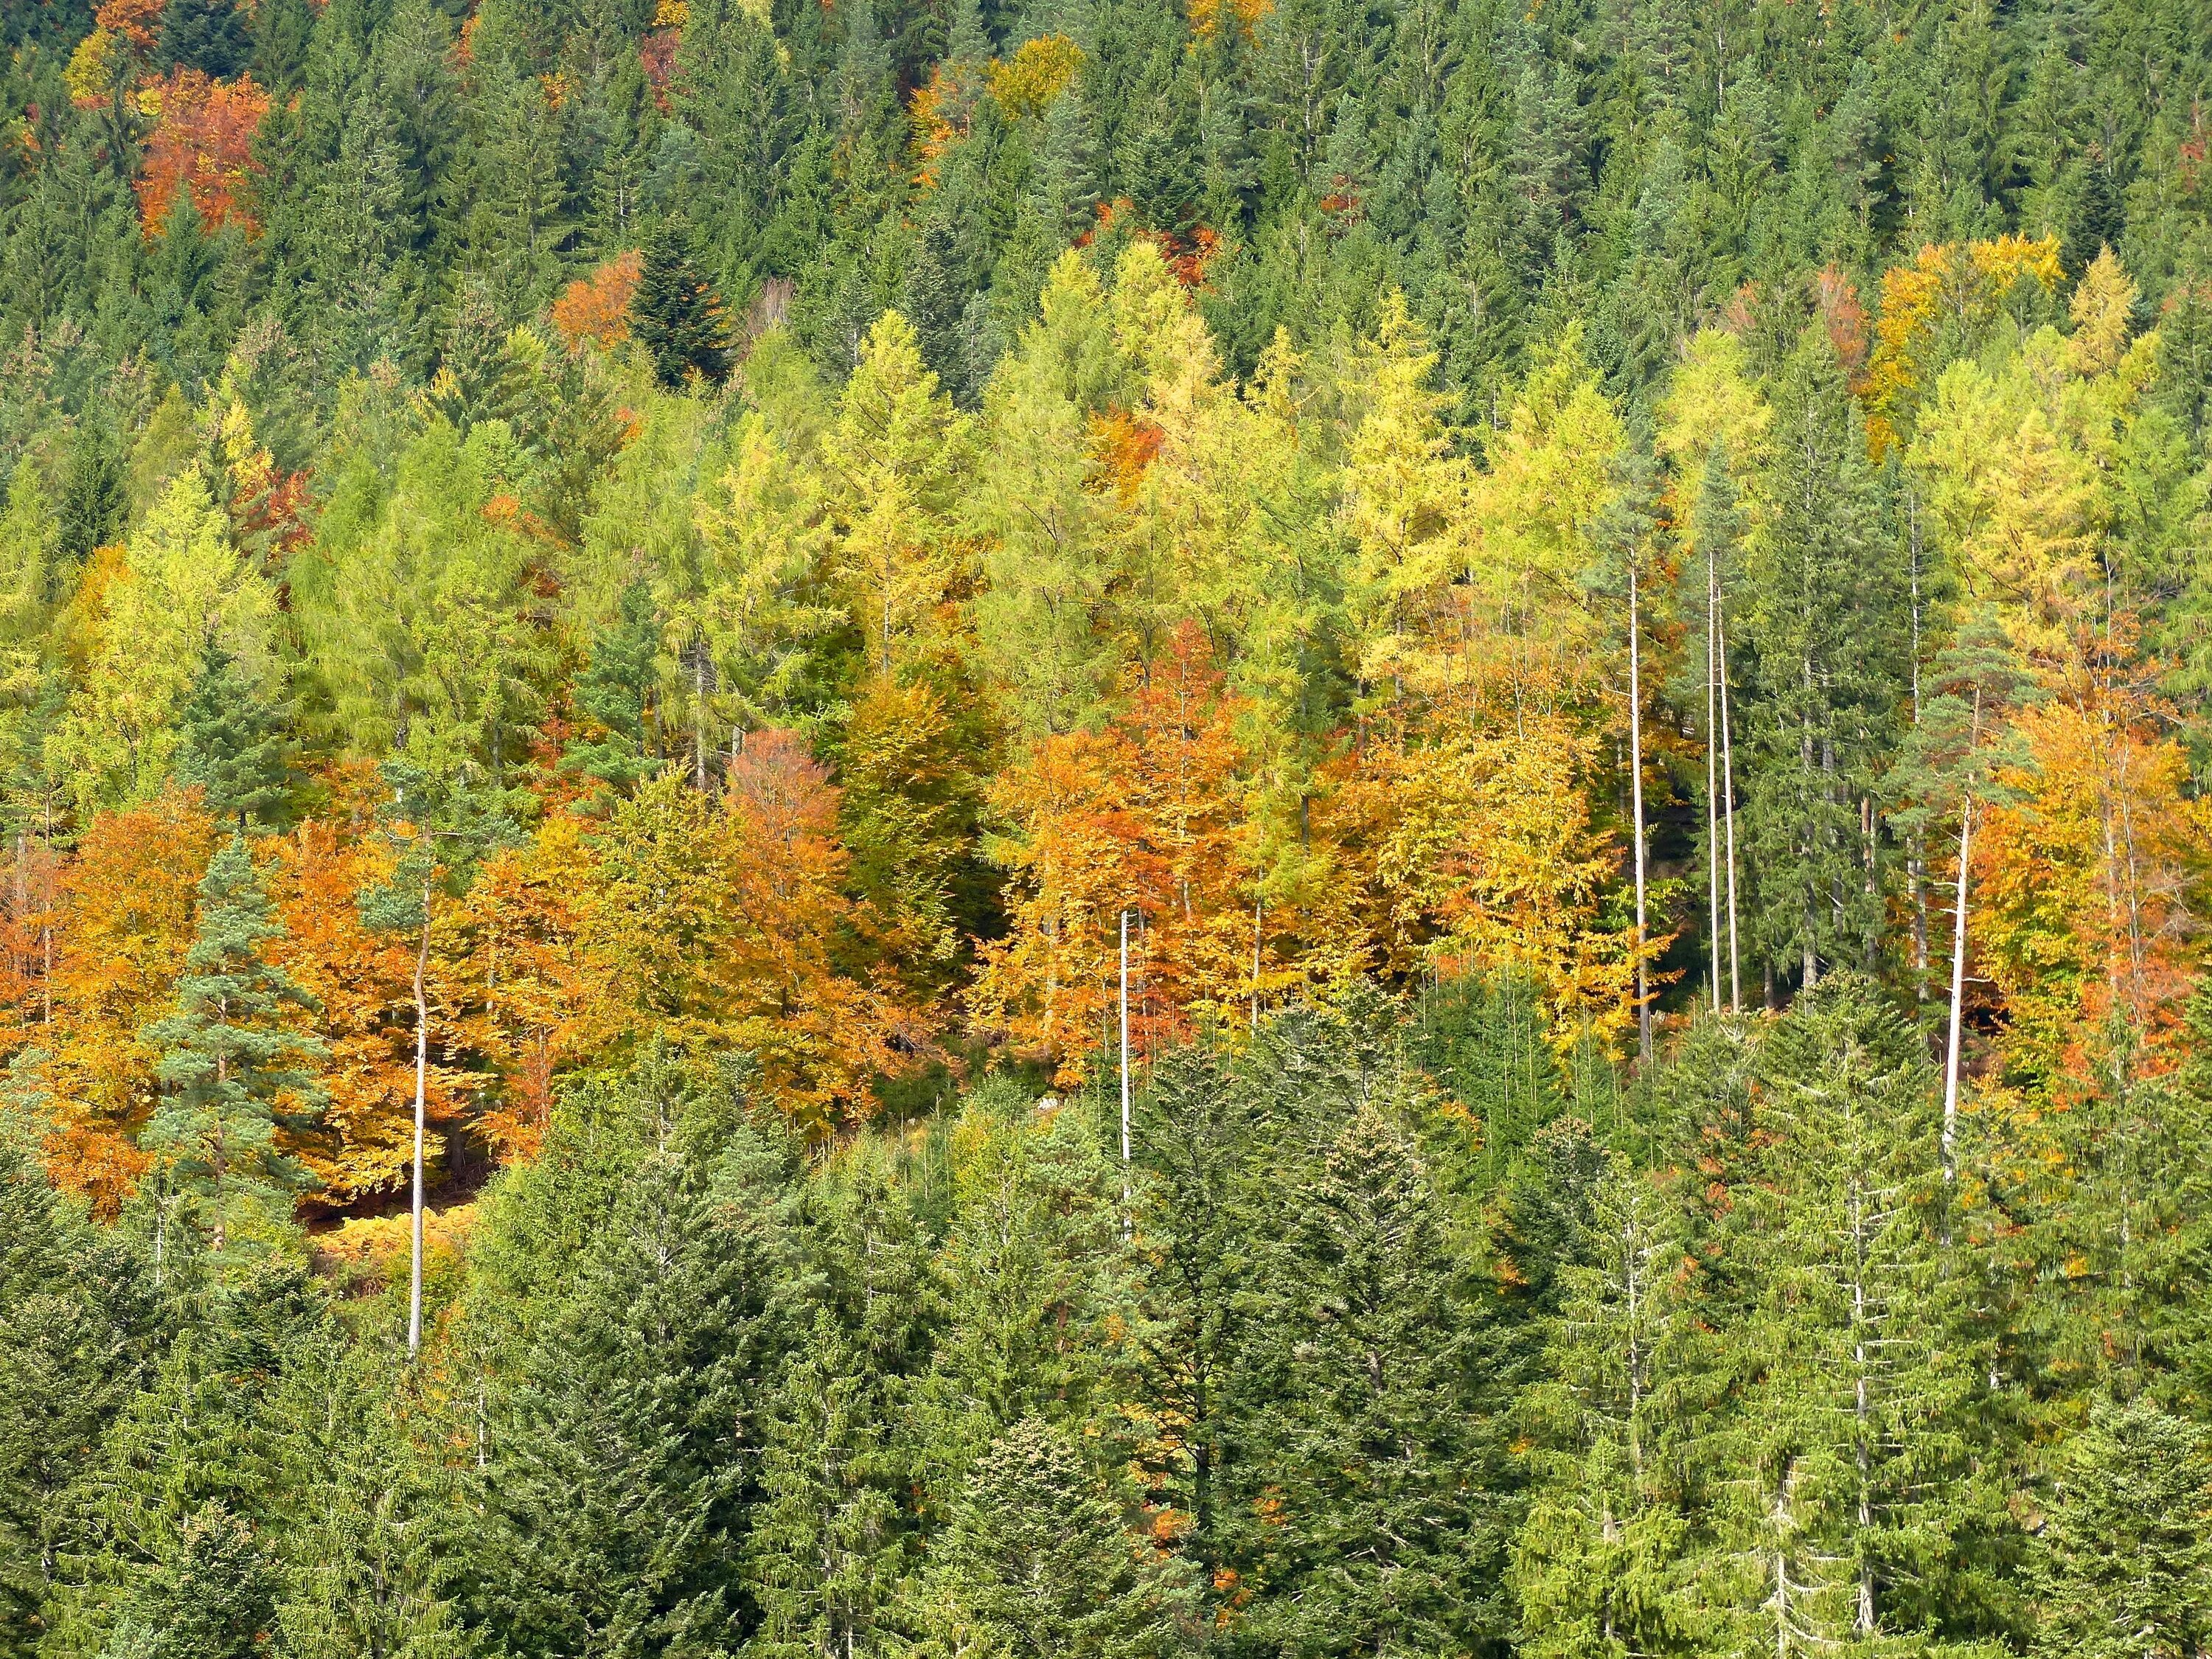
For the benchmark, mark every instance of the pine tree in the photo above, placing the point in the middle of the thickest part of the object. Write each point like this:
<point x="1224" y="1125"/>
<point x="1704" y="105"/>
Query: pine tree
<point x="232" y="1054"/>
<point x="1034" y="1564"/>
<point x="677" y="317"/>
<point x="234" y="747"/>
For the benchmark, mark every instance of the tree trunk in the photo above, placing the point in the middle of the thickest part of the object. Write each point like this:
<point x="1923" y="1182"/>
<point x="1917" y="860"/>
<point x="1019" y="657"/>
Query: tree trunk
<point x="1958" y="998"/>
<point x="1728" y="795"/>
<point x="422" y="1078"/>
<point x="1636" y="792"/>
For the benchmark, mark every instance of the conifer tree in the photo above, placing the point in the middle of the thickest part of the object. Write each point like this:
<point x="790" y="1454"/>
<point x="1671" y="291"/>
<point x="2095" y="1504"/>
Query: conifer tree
<point x="1034" y="1563"/>
<point x="93" y="497"/>
<point x="2123" y="1566"/>
<point x="1821" y="632"/>
<point x="677" y="317"/>
<point x="234" y="749"/>
<point x="624" y="1465"/>
<point x="616" y="690"/>
<point x="208" y="35"/>
<point x="1850" y="1484"/>
<point x="1383" y="1434"/>
<point x="1604" y="1565"/>
<point x="232" y="1053"/>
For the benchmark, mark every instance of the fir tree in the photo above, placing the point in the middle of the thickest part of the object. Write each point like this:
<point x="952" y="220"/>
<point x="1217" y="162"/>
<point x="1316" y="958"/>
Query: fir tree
<point x="232" y="1053"/>
<point x="677" y="317"/>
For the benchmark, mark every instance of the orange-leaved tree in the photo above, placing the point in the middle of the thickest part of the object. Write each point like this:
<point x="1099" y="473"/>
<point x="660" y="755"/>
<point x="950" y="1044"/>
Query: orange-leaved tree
<point x="725" y="924"/>
<point x="127" y="903"/>
<point x="1146" y="817"/>
<point x="531" y="986"/>
<point x="363" y="980"/>
<point x="203" y="144"/>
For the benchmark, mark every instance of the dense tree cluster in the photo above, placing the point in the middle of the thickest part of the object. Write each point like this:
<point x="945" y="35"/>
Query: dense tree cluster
<point x="1102" y="827"/>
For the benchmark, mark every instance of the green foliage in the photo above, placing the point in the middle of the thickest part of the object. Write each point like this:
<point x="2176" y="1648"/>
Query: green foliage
<point x="677" y="318"/>
<point x="231" y="1052"/>
<point x="235" y="748"/>
<point x="2122" y="1565"/>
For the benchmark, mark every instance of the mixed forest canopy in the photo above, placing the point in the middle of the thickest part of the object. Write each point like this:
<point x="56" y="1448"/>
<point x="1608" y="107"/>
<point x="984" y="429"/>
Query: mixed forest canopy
<point x="1105" y="828"/>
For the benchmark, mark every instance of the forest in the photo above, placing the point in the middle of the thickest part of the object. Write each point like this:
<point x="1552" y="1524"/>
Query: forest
<point x="1105" y="829"/>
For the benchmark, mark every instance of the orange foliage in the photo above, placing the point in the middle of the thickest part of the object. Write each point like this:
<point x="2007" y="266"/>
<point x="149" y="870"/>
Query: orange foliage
<point x="127" y="905"/>
<point x="596" y="307"/>
<point x="363" y="982"/>
<point x="2085" y="888"/>
<point x="29" y="916"/>
<point x="519" y="949"/>
<point x="1144" y="815"/>
<point x="726" y="925"/>
<point x="203" y="143"/>
<point x="942" y="110"/>
<point x="136" y="21"/>
<point x="1124" y="446"/>
<point x="656" y="56"/>
<point x="1845" y="320"/>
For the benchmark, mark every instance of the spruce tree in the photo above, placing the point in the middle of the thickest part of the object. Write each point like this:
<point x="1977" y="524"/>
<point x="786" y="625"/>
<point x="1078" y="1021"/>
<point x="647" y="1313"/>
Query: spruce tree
<point x="1383" y="1437"/>
<point x="234" y="747"/>
<point x="624" y="1457"/>
<point x="615" y="691"/>
<point x="93" y="499"/>
<point x="233" y="1054"/>
<point x="1034" y="1564"/>
<point x="1853" y="1501"/>
<point x="677" y="317"/>
<point x="1821" y="628"/>
<point x="1604" y="1564"/>
<point x="208" y="35"/>
<point x="2124" y="1565"/>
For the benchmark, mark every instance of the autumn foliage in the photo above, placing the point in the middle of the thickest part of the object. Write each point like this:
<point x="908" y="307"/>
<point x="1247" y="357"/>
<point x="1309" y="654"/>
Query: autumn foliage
<point x="203" y="144"/>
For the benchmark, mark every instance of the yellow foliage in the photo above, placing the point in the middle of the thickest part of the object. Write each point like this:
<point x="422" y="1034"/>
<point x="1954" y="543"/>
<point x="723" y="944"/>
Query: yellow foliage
<point x="1027" y="84"/>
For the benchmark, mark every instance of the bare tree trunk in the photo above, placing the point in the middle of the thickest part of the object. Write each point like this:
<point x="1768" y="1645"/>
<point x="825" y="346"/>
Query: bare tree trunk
<point x="1728" y="794"/>
<point x="422" y="1078"/>
<point x="1958" y="998"/>
<point x="1713" y="774"/>
<point x="1125" y="1070"/>
<point x="1636" y="792"/>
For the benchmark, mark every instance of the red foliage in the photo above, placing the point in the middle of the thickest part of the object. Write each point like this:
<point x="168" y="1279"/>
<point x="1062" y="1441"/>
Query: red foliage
<point x="1844" y="318"/>
<point x="203" y="143"/>
<point x="656" y="55"/>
